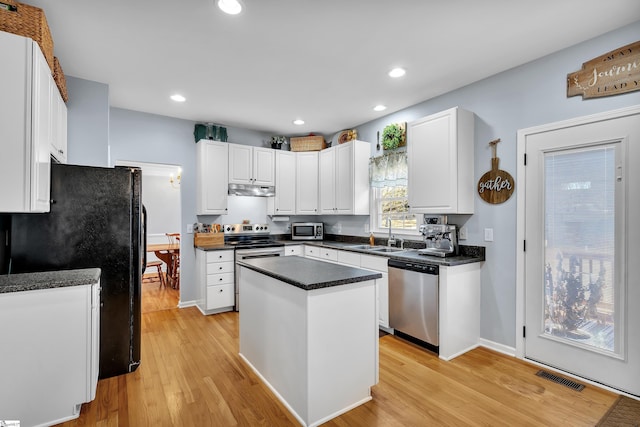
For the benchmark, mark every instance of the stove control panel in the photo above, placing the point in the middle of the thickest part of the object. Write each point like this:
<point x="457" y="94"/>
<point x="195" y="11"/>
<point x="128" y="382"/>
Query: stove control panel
<point x="246" y="229"/>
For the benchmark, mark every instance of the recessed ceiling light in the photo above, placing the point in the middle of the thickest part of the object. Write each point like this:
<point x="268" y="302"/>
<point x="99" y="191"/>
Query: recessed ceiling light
<point x="298" y="122"/>
<point x="178" y="98"/>
<point x="232" y="7"/>
<point x="397" y="72"/>
<point x="379" y="108"/>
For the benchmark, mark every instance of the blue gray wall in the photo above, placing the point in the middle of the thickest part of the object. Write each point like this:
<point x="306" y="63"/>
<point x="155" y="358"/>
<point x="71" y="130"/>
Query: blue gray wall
<point x="530" y="95"/>
<point x="88" y="122"/>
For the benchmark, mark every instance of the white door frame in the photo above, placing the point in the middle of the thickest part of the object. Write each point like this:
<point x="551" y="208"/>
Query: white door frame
<point x="520" y="209"/>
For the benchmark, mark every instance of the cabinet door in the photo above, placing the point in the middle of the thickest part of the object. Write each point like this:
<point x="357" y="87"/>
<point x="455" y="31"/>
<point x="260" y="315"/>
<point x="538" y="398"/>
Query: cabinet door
<point x="40" y="132"/>
<point x="263" y="166"/>
<point x="307" y="183"/>
<point x="212" y="177"/>
<point x="446" y="183"/>
<point x="285" y="198"/>
<point x="344" y="179"/>
<point x="58" y="125"/>
<point x="240" y="164"/>
<point x="293" y="250"/>
<point x="327" y="184"/>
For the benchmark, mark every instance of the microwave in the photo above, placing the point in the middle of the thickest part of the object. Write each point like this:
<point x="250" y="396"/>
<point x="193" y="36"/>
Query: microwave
<point x="307" y="231"/>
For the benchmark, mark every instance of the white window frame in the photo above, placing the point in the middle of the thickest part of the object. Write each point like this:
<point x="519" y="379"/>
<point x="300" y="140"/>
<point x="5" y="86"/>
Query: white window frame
<point x="375" y="215"/>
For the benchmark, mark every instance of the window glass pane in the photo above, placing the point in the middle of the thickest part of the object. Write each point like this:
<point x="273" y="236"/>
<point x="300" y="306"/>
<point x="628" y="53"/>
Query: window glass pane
<point x="391" y="202"/>
<point x="580" y="246"/>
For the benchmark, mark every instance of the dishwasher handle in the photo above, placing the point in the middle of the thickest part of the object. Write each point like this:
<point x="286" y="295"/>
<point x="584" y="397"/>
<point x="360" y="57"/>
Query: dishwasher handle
<point x="414" y="266"/>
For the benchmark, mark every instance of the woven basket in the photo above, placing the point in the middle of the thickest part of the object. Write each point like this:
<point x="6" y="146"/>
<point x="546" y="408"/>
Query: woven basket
<point x="308" y="143"/>
<point x="61" y="82"/>
<point x="28" y="21"/>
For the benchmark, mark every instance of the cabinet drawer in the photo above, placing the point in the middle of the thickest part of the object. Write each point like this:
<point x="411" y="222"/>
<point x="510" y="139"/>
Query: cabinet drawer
<point x="328" y="254"/>
<point x="219" y="256"/>
<point x="293" y="250"/>
<point x="372" y="262"/>
<point x="220" y="267"/>
<point x="220" y="296"/>
<point x="349" y="258"/>
<point x="219" y="279"/>
<point x="312" y="251"/>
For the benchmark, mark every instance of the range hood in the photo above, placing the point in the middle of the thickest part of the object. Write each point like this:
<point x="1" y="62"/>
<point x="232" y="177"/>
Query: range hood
<point x="252" y="190"/>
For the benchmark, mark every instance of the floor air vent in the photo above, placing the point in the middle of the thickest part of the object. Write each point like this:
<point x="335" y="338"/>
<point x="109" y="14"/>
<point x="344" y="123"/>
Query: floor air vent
<point x="556" y="379"/>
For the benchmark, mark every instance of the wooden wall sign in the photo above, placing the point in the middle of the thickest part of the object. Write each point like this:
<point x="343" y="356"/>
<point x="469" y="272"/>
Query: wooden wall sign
<point x="496" y="186"/>
<point x="613" y="73"/>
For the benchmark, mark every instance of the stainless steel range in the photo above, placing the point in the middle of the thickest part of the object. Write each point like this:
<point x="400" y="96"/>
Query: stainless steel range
<point x="251" y="241"/>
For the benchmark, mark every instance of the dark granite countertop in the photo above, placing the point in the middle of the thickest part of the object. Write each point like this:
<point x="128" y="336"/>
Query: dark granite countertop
<point x="308" y="274"/>
<point x="468" y="254"/>
<point x="47" y="280"/>
<point x="216" y="248"/>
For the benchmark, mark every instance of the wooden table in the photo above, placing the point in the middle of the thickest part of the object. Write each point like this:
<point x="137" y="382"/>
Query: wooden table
<point x="169" y="253"/>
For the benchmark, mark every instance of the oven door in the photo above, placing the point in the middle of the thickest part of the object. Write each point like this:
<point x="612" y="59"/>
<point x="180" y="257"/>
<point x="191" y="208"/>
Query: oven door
<point x="243" y="254"/>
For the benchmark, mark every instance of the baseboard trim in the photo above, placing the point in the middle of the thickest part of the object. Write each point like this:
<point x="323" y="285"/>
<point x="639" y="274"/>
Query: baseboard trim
<point x="500" y="348"/>
<point x="185" y="304"/>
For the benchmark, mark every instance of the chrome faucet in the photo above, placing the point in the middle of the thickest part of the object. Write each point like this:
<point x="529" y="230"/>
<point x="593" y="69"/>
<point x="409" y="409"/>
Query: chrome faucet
<point x="392" y="240"/>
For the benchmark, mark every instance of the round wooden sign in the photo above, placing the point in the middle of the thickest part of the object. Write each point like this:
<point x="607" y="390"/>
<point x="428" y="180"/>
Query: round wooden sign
<point x="496" y="186"/>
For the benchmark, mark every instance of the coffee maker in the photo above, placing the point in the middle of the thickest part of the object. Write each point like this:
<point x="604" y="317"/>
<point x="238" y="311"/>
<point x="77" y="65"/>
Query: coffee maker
<point x="441" y="239"/>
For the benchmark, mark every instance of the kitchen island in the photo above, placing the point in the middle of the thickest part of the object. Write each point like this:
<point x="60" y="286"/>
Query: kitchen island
<point x="309" y="330"/>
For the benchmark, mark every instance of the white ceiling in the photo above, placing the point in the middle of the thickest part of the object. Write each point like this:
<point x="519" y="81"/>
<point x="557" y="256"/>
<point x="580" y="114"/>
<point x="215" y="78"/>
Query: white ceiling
<point x="323" y="61"/>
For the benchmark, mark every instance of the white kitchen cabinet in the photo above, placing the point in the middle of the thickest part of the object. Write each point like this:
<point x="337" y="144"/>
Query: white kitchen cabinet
<point x="344" y="179"/>
<point x="293" y="250"/>
<point x="216" y="282"/>
<point x="440" y="152"/>
<point x="284" y="202"/>
<point x="251" y="165"/>
<point x="212" y="176"/>
<point x="459" y="309"/>
<point x="307" y="183"/>
<point x="369" y="262"/>
<point x="379" y="264"/>
<point x="50" y="353"/>
<point x="25" y="125"/>
<point x="58" y="126"/>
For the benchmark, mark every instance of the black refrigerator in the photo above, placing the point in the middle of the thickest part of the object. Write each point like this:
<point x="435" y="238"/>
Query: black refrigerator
<point x="96" y="220"/>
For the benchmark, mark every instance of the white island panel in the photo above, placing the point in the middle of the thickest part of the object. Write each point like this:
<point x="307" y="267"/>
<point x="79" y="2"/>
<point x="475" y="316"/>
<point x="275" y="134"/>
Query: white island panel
<point x="316" y="349"/>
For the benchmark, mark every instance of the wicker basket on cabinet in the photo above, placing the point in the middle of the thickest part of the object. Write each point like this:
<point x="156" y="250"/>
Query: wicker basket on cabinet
<point x="308" y="143"/>
<point x="28" y="21"/>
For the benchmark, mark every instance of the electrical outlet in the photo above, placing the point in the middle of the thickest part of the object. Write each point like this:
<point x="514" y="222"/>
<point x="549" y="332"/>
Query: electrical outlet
<point x="462" y="235"/>
<point x="488" y="234"/>
<point x="189" y="228"/>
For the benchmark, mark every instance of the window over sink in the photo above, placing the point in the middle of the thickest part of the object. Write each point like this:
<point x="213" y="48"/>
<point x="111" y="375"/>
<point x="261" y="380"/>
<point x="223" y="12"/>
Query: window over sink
<point x="389" y="193"/>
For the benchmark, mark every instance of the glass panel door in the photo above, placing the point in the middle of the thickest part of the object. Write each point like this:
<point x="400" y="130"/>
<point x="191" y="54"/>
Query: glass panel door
<point x="580" y="277"/>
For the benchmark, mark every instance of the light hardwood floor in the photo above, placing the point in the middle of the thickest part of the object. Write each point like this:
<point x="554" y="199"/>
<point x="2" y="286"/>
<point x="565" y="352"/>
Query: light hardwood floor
<point x="191" y="375"/>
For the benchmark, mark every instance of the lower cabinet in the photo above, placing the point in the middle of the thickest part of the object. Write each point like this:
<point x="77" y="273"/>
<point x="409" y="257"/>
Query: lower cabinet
<point x="368" y="262"/>
<point x="215" y="280"/>
<point x="50" y="342"/>
<point x="293" y="250"/>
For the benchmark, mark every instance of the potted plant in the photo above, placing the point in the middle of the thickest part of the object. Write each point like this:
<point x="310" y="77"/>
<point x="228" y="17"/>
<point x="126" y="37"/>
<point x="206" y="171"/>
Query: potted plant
<point x="393" y="136"/>
<point x="277" y="141"/>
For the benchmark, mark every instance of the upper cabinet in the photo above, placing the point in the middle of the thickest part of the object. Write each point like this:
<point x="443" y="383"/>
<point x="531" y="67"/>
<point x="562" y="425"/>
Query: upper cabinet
<point x="212" y="171"/>
<point x="284" y="202"/>
<point x="251" y="165"/>
<point x="306" y="183"/>
<point x="25" y="125"/>
<point x="58" y="126"/>
<point x="344" y="179"/>
<point x="440" y="152"/>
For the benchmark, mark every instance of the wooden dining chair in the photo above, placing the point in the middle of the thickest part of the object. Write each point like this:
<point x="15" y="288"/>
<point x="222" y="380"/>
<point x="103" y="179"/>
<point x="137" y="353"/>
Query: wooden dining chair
<point x="158" y="265"/>
<point x="174" y="274"/>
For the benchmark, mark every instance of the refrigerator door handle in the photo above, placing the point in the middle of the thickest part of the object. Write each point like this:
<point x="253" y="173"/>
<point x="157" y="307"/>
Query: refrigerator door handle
<point x="144" y="238"/>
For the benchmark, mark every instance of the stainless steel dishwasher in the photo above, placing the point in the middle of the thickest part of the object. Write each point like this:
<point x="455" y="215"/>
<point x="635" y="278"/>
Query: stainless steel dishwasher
<point x="413" y="302"/>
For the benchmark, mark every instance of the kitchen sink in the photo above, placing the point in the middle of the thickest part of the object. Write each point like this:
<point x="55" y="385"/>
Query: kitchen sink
<point x="386" y="249"/>
<point x="376" y="248"/>
<point x="363" y="247"/>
